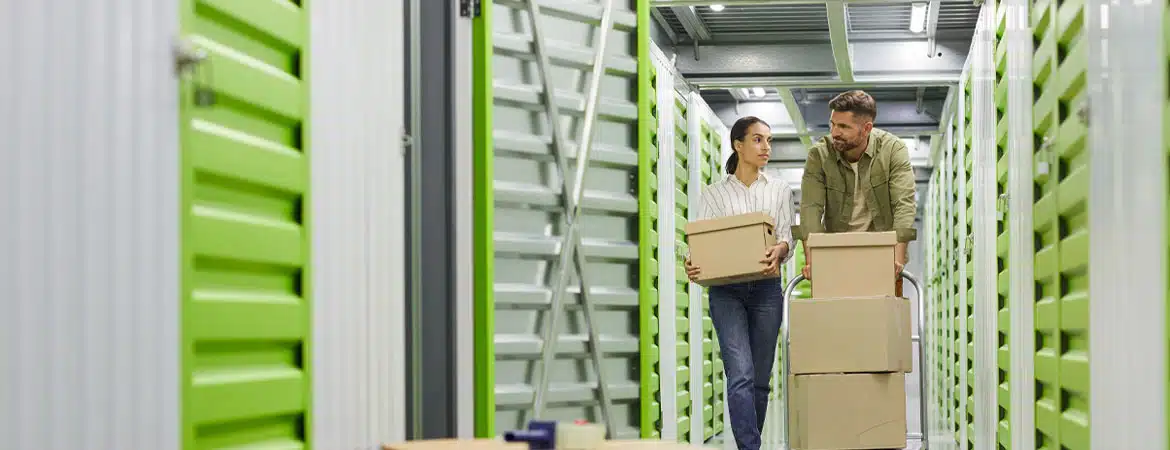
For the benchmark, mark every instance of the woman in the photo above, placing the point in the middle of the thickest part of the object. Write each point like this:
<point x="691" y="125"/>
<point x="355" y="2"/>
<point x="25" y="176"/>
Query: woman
<point x="747" y="315"/>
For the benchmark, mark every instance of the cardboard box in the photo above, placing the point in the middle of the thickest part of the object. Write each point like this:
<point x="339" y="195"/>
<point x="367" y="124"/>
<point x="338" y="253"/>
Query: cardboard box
<point x="850" y="335"/>
<point x="729" y="249"/>
<point x="852" y="264"/>
<point x="848" y="411"/>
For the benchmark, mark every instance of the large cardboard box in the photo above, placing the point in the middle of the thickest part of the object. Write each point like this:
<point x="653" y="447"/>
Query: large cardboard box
<point x="848" y="411"/>
<point x="852" y="264"/>
<point x="850" y="335"/>
<point x="729" y="249"/>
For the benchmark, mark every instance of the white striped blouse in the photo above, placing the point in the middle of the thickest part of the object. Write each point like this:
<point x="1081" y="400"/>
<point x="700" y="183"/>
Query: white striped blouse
<point x="770" y="195"/>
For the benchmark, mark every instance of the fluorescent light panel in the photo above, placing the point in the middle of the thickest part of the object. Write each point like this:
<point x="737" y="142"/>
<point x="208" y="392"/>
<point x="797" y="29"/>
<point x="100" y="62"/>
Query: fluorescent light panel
<point x="918" y="17"/>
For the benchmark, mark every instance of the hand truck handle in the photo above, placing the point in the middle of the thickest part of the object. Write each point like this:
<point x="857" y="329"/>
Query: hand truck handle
<point x="918" y="338"/>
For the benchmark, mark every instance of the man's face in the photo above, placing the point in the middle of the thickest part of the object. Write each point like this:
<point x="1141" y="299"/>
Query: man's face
<point x="756" y="147"/>
<point x="848" y="130"/>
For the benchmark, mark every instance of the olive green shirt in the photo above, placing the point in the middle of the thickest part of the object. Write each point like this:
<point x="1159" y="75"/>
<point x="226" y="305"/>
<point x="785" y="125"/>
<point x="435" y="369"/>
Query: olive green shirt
<point x="826" y="203"/>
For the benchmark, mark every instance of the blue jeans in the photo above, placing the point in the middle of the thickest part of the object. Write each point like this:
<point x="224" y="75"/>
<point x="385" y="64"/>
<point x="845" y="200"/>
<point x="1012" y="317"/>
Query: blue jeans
<point x="747" y="319"/>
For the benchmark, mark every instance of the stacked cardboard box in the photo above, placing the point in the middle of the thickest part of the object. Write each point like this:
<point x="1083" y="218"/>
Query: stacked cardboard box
<point x="850" y="348"/>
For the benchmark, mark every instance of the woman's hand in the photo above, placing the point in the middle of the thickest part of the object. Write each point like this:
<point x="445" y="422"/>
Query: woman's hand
<point x="772" y="258"/>
<point x="692" y="271"/>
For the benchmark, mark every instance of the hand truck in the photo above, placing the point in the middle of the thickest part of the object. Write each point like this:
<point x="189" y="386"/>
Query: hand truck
<point x="916" y="338"/>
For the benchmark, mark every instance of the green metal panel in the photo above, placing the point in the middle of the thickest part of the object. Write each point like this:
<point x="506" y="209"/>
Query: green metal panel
<point x="958" y="416"/>
<point x="712" y="365"/>
<point x="1003" y="268"/>
<point x="968" y="233"/>
<point x="1061" y="227"/>
<point x="650" y="409"/>
<point x="484" y="220"/>
<point x="686" y="417"/>
<point x="245" y="227"/>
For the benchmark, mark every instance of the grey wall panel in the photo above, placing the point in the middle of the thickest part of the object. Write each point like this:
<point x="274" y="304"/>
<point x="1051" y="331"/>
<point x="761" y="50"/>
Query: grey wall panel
<point x="529" y="219"/>
<point x="89" y="189"/>
<point x="359" y="220"/>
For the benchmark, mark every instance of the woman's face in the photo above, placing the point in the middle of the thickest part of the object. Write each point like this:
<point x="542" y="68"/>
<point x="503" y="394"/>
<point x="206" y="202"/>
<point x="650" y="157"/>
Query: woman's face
<point x="756" y="147"/>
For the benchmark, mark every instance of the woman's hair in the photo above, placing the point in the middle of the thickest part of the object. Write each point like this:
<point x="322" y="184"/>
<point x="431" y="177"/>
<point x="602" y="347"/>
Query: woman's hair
<point x="738" y="132"/>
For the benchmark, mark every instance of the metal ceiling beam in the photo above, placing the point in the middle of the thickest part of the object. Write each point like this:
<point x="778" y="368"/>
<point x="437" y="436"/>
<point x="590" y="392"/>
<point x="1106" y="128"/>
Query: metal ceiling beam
<point x="928" y="80"/>
<point x="795" y="115"/>
<point x="839" y="36"/>
<point x="664" y="25"/>
<point x="692" y="23"/>
<point x="932" y="27"/>
<point x="789" y="37"/>
<point x="816" y="59"/>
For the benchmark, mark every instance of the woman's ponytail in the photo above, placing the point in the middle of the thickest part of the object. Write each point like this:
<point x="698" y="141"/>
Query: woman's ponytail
<point x="732" y="163"/>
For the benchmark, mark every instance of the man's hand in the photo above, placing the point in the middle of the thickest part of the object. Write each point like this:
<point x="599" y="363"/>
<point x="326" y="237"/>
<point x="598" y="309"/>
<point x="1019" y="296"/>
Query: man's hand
<point x="806" y="271"/>
<point x="692" y="271"/>
<point x="772" y="258"/>
<point x="898" y="268"/>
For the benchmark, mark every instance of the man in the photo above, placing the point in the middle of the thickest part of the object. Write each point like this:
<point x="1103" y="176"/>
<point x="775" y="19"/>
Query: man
<point x="858" y="179"/>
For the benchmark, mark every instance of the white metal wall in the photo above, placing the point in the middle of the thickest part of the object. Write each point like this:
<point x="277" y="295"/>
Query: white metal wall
<point x="1126" y="81"/>
<point x="357" y="64"/>
<point x="89" y="239"/>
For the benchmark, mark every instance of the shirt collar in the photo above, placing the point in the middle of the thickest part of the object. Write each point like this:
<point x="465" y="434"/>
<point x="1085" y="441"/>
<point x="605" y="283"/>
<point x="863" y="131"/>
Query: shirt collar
<point x="731" y="178"/>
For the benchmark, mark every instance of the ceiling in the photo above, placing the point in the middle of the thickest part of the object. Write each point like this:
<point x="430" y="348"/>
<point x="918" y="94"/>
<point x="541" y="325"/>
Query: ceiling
<point x="801" y="53"/>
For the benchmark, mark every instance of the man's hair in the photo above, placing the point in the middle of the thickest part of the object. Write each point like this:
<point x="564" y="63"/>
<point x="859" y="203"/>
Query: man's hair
<point x="857" y="102"/>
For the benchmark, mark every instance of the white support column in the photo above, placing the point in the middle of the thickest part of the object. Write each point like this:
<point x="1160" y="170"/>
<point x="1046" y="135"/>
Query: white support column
<point x="1022" y="339"/>
<point x="695" y="109"/>
<point x="667" y="358"/>
<point x="984" y="223"/>
<point x="1127" y="205"/>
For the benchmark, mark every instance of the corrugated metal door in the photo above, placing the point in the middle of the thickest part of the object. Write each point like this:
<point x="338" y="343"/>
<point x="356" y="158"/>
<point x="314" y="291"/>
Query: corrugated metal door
<point x="89" y="240"/>
<point x="359" y="241"/>
<point x="1061" y="225"/>
<point x="245" y="253"/>
<point x="519" y="204"/>
<point x="1061" y="222"/>
<point x="967" y="263"/>
<point x="714" y="392"/>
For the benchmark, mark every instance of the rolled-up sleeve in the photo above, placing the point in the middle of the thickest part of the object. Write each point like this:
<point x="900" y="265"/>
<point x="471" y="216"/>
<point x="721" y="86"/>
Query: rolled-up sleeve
<point x="902" y="190"/>
<point x="812" y="196"/>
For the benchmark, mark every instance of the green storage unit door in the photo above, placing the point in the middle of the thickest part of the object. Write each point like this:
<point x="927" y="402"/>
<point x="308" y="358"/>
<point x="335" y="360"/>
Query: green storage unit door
<point x="520" y="217"/>
<point x="955" y="231"/>
<point x="968" y="282"/>
<point x="1002" y="243"/>
<point x="686" y="417"/>
<point x="650" y="403"/>
<point x="1061" y="226"/>
<point x="245" y="230"/>
<point x="712" y="364"/>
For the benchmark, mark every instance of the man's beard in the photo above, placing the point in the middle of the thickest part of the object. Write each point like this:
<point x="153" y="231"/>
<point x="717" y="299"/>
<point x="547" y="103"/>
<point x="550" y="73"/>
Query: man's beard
<point x="844" y="146"/>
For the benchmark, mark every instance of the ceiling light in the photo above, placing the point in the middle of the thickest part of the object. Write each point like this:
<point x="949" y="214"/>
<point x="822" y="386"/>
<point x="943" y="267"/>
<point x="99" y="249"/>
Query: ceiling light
<point x="716" y="8"/>
<point x="758" y="91"/>
<point x="917" y="17"/>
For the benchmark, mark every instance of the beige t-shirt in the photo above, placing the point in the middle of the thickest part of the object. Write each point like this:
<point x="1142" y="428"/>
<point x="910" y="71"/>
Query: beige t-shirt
<point x="861" y="218"/>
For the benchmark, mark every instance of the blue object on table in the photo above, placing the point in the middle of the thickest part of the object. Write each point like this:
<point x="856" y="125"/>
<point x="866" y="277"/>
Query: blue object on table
<point x="540" y="435"/>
